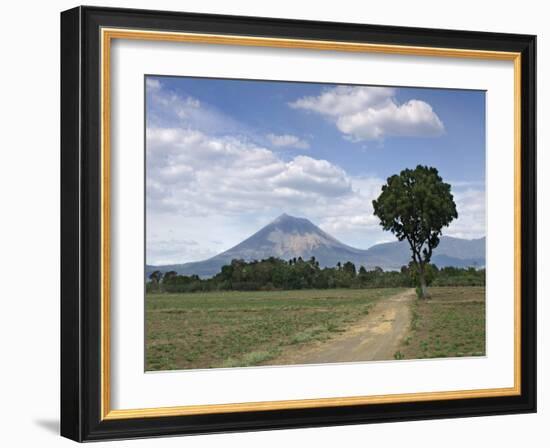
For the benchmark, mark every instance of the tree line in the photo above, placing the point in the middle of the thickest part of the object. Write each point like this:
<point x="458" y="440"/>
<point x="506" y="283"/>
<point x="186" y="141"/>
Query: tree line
<point x="277" y="274"/>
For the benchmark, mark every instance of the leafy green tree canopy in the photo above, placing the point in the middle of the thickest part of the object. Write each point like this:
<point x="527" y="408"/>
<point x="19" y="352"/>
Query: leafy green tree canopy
<point x="415" y="205"/>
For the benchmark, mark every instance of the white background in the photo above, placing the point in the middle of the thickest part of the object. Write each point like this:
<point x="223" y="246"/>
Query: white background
<point x="29" y="158"/>
<point x="132" y="388"/>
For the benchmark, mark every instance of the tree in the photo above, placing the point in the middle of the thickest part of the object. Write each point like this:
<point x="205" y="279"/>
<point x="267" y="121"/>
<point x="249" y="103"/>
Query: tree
<point x="415" y="205"/>
<point x="313" y="262"/>
<point x="349" y="268"/>
<point x="155" y="278"/>
<point x="169" y="276"/>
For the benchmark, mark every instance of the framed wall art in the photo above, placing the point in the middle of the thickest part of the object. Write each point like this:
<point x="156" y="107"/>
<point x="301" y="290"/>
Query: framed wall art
<point x="273" y="223"/>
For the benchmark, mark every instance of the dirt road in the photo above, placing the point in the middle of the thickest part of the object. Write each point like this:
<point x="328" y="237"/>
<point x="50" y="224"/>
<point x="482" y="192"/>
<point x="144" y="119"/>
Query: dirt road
<point x="376" y="337"/>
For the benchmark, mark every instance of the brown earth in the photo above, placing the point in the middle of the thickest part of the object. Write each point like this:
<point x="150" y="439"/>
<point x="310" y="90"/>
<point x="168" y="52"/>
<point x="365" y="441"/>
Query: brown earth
<point x="376" y="337"/>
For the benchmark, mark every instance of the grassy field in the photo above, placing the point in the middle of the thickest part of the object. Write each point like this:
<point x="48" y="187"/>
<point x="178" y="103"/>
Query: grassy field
<point x="231" y="328"/>
<point x="450" y="324"/>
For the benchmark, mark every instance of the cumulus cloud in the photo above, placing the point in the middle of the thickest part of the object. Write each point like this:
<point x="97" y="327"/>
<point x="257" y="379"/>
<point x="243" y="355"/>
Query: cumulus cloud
<point x="471" y="208"/>
<point x="311" y="175"/>
<point x="352" y="219"/>
<point x="372" y="113"/>
<point x="152" y="84"/>
<point x="287" y="141"/>
<point x="344" y="100"/>
<point x="194" y="173"/>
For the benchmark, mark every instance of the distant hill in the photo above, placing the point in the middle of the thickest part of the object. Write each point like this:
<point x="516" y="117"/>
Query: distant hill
<point x="288" y="237"/>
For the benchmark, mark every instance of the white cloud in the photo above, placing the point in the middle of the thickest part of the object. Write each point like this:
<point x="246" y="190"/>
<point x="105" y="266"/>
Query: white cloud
<point x="344" y="100"/>
<point x="320" y="177"/>
<point x="351" y="219"/>
<point x="372" y="113"/>
<point x="153" y="84"/>
<point x="197" y="174"/>
<point x="412" y="119"/>
<point x="470" y="204"/>
<point x="287" y="141"/>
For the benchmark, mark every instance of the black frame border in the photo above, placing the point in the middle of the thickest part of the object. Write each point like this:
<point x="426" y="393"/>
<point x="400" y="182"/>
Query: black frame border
<point x="81" y="223"/>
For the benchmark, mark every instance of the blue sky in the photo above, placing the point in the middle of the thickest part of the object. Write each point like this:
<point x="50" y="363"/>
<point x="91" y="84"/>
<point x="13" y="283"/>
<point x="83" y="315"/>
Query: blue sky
<point x="225" y="157"/>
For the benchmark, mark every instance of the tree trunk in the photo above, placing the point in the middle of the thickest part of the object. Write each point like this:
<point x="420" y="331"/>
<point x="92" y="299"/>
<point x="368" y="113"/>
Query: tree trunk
<point x="422" y="279"/>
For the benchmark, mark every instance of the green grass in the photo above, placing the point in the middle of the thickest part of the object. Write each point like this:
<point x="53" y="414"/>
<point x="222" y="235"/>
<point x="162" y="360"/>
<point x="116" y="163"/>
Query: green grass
<point x="450" y="324"/>
<point x="238" y="329"/>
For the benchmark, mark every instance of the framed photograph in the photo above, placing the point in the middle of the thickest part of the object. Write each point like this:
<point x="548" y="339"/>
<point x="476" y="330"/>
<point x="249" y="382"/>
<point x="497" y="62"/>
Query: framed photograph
<point x="273" y="223"/>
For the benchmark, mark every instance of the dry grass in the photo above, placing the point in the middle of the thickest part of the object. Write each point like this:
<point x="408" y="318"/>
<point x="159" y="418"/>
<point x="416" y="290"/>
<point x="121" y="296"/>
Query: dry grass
<point x="237" y="329"/>
<point x="450" y="324"/>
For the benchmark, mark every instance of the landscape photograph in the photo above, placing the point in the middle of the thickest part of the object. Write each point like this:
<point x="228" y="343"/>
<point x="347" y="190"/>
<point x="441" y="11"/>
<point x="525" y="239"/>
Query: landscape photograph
<point x="296" y="223"/>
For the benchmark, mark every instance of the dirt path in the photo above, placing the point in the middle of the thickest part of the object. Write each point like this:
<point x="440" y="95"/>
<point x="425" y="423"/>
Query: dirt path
<point x="376" y="337"/>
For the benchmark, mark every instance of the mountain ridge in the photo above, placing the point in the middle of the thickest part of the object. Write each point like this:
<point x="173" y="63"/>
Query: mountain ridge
<point x="289" y="237"/>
